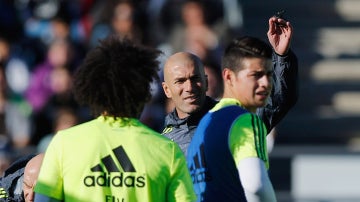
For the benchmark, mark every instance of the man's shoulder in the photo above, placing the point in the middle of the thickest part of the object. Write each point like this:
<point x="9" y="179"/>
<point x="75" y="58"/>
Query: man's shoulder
<point x="11" y="182"/>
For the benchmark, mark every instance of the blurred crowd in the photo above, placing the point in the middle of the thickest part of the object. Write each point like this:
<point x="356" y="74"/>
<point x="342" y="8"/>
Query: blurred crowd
<point x="42" y="42"/>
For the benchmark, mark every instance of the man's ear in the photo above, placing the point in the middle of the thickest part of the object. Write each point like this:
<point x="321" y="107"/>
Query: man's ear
<point x="166" y="90"/>
<point x="227" y="76"/>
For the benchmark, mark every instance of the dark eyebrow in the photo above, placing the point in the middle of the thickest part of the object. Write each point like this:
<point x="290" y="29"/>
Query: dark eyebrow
<point x="185" y="78"/>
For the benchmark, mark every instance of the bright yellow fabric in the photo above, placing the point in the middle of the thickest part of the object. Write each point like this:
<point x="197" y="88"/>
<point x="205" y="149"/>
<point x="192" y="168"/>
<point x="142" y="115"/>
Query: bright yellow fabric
<point x="70" y="170"/>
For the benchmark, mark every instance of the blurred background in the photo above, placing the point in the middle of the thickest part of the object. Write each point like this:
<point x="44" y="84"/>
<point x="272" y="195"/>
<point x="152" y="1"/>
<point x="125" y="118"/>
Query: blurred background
<point x="315" y="150"/>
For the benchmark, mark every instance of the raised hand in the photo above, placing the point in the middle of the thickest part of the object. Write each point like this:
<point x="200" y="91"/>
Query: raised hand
<point x="280" y="34"/>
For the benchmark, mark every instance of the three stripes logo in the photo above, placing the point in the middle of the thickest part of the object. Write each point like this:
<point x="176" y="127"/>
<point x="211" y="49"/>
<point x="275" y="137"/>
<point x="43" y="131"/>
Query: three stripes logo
<point x="110" y="173"/>
<point x="110" y="164"/>
<point x="168" y="129"/>
<point x="198" y="167"/>
<point x="3" y="194"/>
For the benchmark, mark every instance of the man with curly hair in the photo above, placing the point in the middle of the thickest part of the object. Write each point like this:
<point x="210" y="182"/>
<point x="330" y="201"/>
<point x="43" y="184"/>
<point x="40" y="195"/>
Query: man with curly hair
<point x="114" y="157"/>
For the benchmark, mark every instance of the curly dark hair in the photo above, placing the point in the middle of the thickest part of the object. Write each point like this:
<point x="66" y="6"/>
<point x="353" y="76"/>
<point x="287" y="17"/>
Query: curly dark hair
<point x="115" y="77"/>
<point x="244" y="47"/>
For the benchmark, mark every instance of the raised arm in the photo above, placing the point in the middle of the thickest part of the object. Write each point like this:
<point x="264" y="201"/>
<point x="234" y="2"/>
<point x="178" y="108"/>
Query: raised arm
<point x="285" y="78"/>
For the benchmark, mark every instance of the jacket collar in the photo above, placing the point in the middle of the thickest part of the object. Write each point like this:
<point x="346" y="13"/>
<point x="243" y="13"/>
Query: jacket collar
<point x="192" y="120"/>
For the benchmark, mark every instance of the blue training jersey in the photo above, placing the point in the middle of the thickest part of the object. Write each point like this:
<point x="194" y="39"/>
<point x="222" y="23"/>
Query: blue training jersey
<point x="226" y="135"/>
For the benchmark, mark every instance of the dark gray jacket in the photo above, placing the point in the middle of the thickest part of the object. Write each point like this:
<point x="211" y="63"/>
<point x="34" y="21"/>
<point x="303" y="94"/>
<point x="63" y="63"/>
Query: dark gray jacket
<point x="12" y="181"/>
<point x="283" y="97"/>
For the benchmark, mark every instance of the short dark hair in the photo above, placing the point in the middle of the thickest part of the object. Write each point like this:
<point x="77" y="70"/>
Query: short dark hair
<point x="115" y="77"/>
<point x="244" y="47"/>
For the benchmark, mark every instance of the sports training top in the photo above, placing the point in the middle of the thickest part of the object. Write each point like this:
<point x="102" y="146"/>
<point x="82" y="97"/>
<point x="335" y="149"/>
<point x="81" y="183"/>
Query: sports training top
<point x="114" y="160"/>
<point x="226" y="134"/>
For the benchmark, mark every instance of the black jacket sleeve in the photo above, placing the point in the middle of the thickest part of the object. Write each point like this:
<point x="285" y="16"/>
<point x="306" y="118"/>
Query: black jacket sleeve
<point x="284" y="94"/>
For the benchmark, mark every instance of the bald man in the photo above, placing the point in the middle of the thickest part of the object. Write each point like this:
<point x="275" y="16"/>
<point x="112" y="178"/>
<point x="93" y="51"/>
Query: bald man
<point x="185" y="83"/>
<point x="31" y="173"/>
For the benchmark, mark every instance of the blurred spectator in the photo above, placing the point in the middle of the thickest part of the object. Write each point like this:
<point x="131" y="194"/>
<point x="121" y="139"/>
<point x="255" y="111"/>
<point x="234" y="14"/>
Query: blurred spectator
<point x="214" y="77"/>
<point x="61" y="84"/>
<point x="123" y="21"/>
<point x="57" y="20"/>
<point x="39" y="91"/>
<point x="14" y="119"/>
<point x="156" y="32"/>
<point x="194" y="35"/>
<point x="51" y="77"/>
<point x="119" y="17"/>
<point x="51" y="20"/>
<point x="18" y="76"/>
<point x="64" y="118"/>
<point x="61" y="110"/>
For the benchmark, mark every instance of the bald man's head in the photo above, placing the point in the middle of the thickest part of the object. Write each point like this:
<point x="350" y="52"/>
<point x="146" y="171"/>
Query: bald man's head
<point x="181" y="59"/>
<point x="185" y="82"/>
<point x="31" y="174"/>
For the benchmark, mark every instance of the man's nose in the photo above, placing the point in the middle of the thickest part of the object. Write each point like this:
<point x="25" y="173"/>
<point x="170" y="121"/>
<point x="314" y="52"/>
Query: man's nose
<point x="266" y="81"/>
<point x="188" y="85"/>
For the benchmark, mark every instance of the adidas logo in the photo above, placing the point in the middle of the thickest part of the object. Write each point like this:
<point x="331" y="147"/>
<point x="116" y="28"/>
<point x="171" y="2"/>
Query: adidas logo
<point x="3" y="193"/>
<point x="198" y="160"/>
<point x="167" y="130"/>
<point x="108" y="166"/>
<point x="198" y="167"/>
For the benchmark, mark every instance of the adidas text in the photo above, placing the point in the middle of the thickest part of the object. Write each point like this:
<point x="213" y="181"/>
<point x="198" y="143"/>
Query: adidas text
<point x="120" y="180"/>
